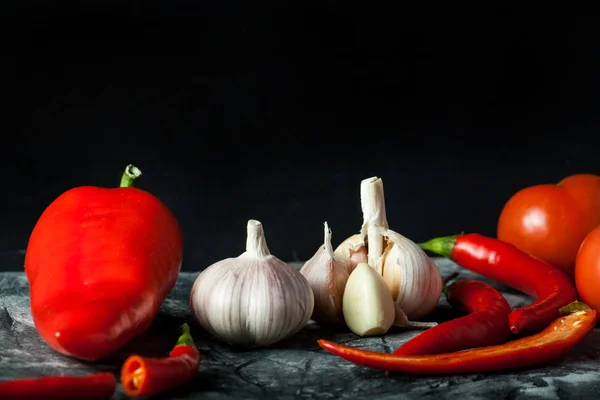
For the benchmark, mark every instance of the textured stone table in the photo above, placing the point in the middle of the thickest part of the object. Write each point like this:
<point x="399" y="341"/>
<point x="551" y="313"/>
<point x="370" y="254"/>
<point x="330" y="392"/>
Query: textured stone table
<point x="297" y="368"/>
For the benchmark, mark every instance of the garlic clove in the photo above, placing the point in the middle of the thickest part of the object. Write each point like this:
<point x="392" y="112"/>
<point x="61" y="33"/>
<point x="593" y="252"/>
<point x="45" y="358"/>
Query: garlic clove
<point x="414" y="280"/>
<point x="353" y="251"/>
<point x="368" y="306"/>
<point x="327" y="275"/>
<point x="254" y="299"/>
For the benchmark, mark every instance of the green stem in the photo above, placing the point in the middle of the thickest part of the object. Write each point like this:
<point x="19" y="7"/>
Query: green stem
<point x="130" y="175"/>
<point x="445" y="281"/>
<point x="186" y="336"/>
<point x="441" y="246"/>
<point x="573" y="307"/>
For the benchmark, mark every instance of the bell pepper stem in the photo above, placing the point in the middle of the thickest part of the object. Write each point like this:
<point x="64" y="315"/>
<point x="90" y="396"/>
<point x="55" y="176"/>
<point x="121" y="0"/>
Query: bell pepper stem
<point x="129" y="176"/>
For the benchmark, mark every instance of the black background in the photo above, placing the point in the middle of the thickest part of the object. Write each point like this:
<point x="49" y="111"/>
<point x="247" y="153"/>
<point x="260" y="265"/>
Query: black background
<point x="276" y="112"/>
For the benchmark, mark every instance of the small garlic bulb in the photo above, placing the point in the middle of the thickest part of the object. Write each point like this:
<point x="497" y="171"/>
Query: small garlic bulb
<point x="369" y="309"/>
<point x="327" y="275"/>
<point x="412" y="277"/>
<point x="254" y="299"/>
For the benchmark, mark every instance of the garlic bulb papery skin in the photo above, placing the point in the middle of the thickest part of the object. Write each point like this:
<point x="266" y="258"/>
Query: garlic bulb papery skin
<point x="254" y="299"/>
<point x="353" y="250"/>
<point x="368" y="304"/>
<point x="413" y="278"/>
<point x="327" y="276"/>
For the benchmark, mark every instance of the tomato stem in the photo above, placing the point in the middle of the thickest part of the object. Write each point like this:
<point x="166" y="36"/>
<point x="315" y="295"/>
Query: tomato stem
<point x="130" y="175"/>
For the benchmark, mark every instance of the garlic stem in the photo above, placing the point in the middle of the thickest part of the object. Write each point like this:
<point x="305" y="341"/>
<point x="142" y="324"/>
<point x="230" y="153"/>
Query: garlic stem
<point x="256" y="245"/>
<point x="327" y="241"/>
<point x="374" y="218"/>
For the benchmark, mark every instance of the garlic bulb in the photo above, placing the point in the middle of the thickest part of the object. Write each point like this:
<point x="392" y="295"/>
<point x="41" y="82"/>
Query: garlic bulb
<point x="254" y="299"/>
<point x="368" y="305"/>
<point x="327" y="275"/>
<point x="412" y="277"/>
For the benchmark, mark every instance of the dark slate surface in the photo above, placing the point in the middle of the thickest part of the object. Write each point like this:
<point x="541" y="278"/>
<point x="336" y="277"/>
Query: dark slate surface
<point x="297" y="368"/>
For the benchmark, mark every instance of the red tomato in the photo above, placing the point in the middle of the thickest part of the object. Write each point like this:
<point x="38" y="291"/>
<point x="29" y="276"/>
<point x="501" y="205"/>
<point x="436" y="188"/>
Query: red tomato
<point x="587" y="270"/>
<point x="550" y="221"/>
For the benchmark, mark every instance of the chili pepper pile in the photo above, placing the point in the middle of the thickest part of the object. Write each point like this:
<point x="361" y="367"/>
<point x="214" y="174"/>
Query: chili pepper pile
<point x="477" y="341"/>
<point x="506" y="264"/>
<point x="557" y="339"/>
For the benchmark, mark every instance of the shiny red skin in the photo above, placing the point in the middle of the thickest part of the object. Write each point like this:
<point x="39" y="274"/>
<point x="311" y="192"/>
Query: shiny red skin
<point x="550" y="221"/>
<point x="99" y="264"/>
<point x="486" y="323"/>
<point x="99" y="386"/>
<point x="505" y="263"/>
<point x="587" y="270"/>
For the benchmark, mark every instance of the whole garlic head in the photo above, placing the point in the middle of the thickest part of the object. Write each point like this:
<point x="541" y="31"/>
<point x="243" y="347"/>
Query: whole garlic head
<point x="412" y="277"/>
<point x="327" y="275"/>
<point x="254" y="299"/>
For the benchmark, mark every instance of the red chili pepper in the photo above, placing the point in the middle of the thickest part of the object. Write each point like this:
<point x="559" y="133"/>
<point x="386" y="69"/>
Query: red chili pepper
<point x="505" y="263"/>
<point x="94" y="387"/>
<point x="554" y="341"/>
<point x="99" y="264"/>
<point x="142" y="376"/>
<point x="486" y="324"/>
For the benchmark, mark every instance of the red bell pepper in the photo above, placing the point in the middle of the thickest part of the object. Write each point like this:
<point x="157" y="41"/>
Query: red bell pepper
<point x="99" y="264"/>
